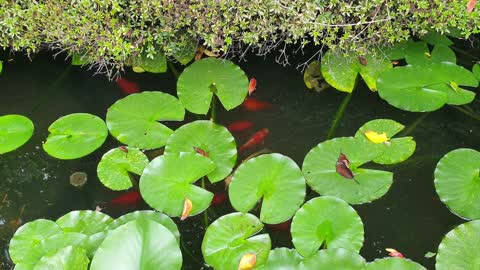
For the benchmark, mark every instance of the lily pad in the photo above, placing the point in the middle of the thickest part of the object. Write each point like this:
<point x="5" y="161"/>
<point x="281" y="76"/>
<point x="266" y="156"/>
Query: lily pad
<point x="395" y="264"/>
<point x="435" y="38"/>
<point x="232" y="236"/>
<point x="275" y="178"/>
<point x="214" y="139"/>
<point x="313" y="77"/>
<point x="150" y="215"/>
<point x="458" y="251"/>
<point x="185" y="54"/>
<point x="327" y="222"/>
<point x="114" y="168"/>
<point x="457" y="182"/>
<point x="75" y="136"/>
<point x="334" y="259"/>
<point x="426" y="87"/>
<point x="201" y="80"/>
<point x="134" y="119"/>
<point x="68" y="258"/>
<point x="282" y="258"/>
<point x="319" y="168"/>
<point x="394" y="150"/>
<point x="476" y="71"/>
<point x="168" y="180"/>
<point x="156" y="63"/>
<point x="1" y="67"/>
<point x="341" y="71"/>
<point x="15" y="131"/>
<point x="138" y="245"/>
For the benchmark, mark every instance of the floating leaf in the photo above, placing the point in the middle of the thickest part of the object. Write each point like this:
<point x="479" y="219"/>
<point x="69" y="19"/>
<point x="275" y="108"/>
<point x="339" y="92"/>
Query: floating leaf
<point x="417" y="53"/>
<point x="156" y="63"/>
<point x="201" y="80"/>
<point x="394" y="264"/>
<point x="457" y="182"/>
<point x="326" y="222"/>
<point x="215" y="140"/>
<point x="341" y="71"/>
<point x="476" y="71"/>
<point x="275" y="178"/>
<point x="114" y="168"/>
<point x="150" y="215"/>
<point x="168" y="180"/>
<point x="313" y="77"/>
<point x="282" y="258"/>
<point x="232" y="236"/>
<point x="134" y="119"/>
<point x="1" y="66"/>
<point x="71" y="258"/>
<point x="75" y="136"/>
<point x="319" y="168"/>
<point x="435" y="38"/>
<point x="334" y="259"/>
<point x="425" y="87"/>
<point x="442" y="53"/>
<point x="393" y="150"/>
<point x="185" y="54"/>
<point x="15" y="131"/>
<point x="138" y="245"/>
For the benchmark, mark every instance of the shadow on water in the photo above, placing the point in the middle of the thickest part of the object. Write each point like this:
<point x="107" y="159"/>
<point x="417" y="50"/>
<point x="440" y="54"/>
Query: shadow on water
<point x="409" y="218"/>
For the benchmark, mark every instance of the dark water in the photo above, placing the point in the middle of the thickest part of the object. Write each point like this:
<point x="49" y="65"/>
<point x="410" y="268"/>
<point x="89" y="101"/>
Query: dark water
<point x="410" y="218"/>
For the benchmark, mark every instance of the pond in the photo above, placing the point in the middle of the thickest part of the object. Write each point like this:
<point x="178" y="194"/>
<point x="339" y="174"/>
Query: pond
<point x="409" y="218"/>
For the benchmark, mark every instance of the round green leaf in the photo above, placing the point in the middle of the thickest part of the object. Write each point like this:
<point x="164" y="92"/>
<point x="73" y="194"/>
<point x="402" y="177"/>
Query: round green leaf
<point x="458" y="249"/>
<point x="138" y="245"/>
<point x="75" y="135"/>
<point x="134" y="120"/>
<point x="168" y="180"/>
<point x="282" y="258"/>
<point x="313" y="79"/>
<point x="156" y="63"/>
<point x="417" y="53"/>
<point x="275" y="178"/>
<point x="435" y="38"/>
<point x="150" y="215"/>
<point x="396" y="149"/>
<point x="326" y="222"/>
<point x="114" y="168"/>
<point x="442" y="53"/>
<point x="334" y="259"/>
<point x="395" y="264"/>
<point x="476" y="71"/>
<point x="25" y="244"/>
<point x="68" y="258"/>
<point x="372" y="70"/>
<point x="186" y="53"/>
<point x="201" y="80"/>
<point x="232" y="236"/>
<point x="319" y="168"/>
<point x="457" y="182"/>
<point x="15" y="131"/>
<point x="214" y="139"/>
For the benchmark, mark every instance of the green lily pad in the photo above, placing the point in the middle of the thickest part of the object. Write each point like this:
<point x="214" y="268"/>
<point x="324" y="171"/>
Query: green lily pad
<point x="154" y="64"/>
<point x="395" y="264"/>
<point x="1" y="67"/>
<point x="214" y="139"/>
<point x="393" y="151"/>
<point x="68" y="258"/>
<point x="138" y="245"/>
<point x="458" y="249"/>
<point x="327" y="222"/>
<point x="341" y="71"/>
<point x="25" y="244"/>
<point x="282" y="258"/>
<point x="201" y="80"/>
<point x="435" y="38"/>
<point x="114" y="168"/>
<point x="426" y="87"/>
<point x="275" y="178"/>
<point x="457" y="182"/>
<point x="185" y="54"/>
<point x="417" y="53"/>
<point x="313" y="79"/>
<point x="134" y="119"/>
<point x="232" y="236"/>
<point x="319" y="168"/>
<point x="75" y="136"/>
<point x="476" y="71"/>
<point x="168" y="180"/>
<point x="442" y="53"/>
<point x="150" y="215"/>
<point x="15" y="131"/>
<point x="334" y="259"/>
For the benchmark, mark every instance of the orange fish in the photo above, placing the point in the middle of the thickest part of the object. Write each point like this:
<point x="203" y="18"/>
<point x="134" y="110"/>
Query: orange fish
<point x="187" y="208"/>
<point x="471" y="6"/>
<point x="255" y="139"/>
<point x="128" y="87"/>
<point x="253" y="105"/>
<point x="201" y="151"/>
<point x="394" y="253"/>
<point x="239" y="126"/>
<point x="252" y="86"/>
<point x="127" y="199"/>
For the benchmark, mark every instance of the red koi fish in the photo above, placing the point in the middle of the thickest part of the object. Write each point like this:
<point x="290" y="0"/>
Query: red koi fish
<point x="284" y="226"/>
<point x="130" y="198"/>
<point x="218" y="198"/>
<point x="471" y="6"/>
<point x="239" y="126"/>
<point x="128" y="87"/>
<point x="201" y="151"/>
<point x="394" y="253"/>
<point x="253" y="105"/>
<point x="252" y="86"/>
<point x="343" y="167"/>
<point x="257" y="137"/>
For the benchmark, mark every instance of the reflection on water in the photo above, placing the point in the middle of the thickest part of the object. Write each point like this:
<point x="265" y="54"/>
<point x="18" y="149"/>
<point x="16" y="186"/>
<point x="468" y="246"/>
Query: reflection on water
<point x="410" y="218"/>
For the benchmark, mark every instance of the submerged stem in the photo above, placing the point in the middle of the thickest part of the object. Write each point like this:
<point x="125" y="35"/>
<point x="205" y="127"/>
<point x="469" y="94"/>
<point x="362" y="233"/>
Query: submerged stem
<point x="410" y="128"/>
<point x="338" y="116"/>
<point x="55" y="87"/>
<point x="213" y="109"/>
<point x="465" y="111"/>
<point x="174" y="70"/>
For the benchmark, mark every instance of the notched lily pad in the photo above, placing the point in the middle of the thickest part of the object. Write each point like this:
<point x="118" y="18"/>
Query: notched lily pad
<point x="75" y="136"/>
<point x="232" y="236"/>
<point x="274" y="178"/>
<point x="15" y="131"/>
<point x="394" y="264"/>
<point x="282" y="258"/>
<point x="155" y="64"/>
<point x="71" y="258"/>
<point x="114" y="167"/>
<point x="334" y="259"/>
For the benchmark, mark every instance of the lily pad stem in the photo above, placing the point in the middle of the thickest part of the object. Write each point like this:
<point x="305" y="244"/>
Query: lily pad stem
<point x="465" y="111"/>
<point x="173" y="69"/>
<point x="213" y="109"/>
<point x="338" y="116"/>
<point x="205" y="214"/>
<point x="410" y="128"/>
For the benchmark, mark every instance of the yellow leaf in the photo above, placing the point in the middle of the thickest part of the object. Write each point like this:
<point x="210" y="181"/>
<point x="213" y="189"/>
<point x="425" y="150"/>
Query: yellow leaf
<point x="376" y="137"/>
<point x="187" y="208"/>
<point x="248" y="261"/>
<point x="138" y="69"/>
